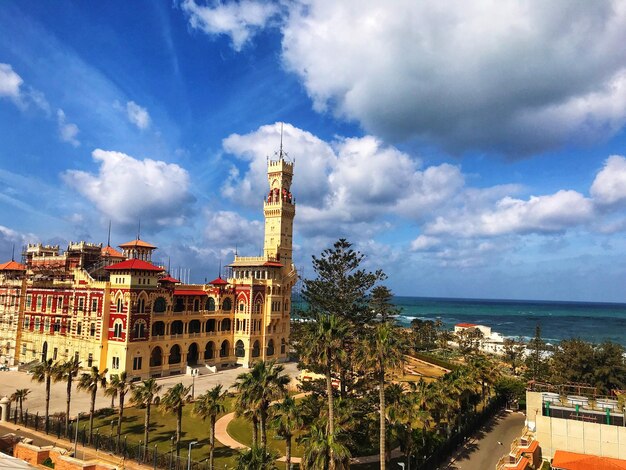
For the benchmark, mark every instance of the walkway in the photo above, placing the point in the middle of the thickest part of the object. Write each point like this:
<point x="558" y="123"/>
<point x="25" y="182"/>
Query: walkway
<point x="221" y="434"/>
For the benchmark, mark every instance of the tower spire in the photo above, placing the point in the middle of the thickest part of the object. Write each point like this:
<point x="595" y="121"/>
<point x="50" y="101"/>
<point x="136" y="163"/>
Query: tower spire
<point x="13" y="253"/>
<point x="139" y="229"/>
<point x="280" y="152"/>
<point x="109" y="236"/>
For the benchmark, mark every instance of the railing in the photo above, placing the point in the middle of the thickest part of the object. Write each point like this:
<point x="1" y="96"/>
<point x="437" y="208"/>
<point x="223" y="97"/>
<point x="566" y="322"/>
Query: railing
<point x="127" y="449"/>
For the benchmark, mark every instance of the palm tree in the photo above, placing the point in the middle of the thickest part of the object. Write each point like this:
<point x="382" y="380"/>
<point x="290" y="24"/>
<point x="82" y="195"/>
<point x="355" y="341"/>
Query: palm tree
<point x="321" y="345"/>
<point x="144" y="395"/>
<point x="173" y="402"/>
<point x="260" y="386"/>
<point x="209" y="405"/>
<point x="43" y="372"/>
<point x="119" y="385"/>
<point x="322" y="450"/>
<point x="89" y="382"/>
<point x="286" y="419"/>
<point x="66" y="371"/>
<point x="486" y="372"/>
<point x="256" y="458"/>
<point x="382" y="351"/>
<point x="19" y="396"/>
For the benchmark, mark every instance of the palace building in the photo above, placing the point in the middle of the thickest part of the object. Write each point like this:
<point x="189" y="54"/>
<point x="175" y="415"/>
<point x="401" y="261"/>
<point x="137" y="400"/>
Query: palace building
<point x="120" y="311"/>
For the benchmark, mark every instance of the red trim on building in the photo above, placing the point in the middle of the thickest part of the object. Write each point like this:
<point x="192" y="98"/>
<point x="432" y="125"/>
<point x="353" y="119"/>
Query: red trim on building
<point x="133" y="265"/>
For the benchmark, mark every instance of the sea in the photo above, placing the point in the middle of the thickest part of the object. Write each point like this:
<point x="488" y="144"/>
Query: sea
<point x="591" y="321"/>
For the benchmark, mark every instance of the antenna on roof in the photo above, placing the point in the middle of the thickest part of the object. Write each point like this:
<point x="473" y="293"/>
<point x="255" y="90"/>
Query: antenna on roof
<point x="138" y="229"/>
<point x="219" y="274"/>
<point x="280" y="154"/>
<point x="13" y="253"/>
<point x="169" y="264"/>
<point x="235" y="249"/>
<point x="109" y="237"/>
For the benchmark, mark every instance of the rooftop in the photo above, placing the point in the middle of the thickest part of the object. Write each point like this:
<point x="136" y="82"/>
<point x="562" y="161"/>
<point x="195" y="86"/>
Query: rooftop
<point x="133" y="265"/>
<point x="573" y="461"/>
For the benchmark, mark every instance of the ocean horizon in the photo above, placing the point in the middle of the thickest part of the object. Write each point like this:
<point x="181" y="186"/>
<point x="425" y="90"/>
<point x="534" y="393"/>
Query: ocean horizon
<point x="591" y="321"/>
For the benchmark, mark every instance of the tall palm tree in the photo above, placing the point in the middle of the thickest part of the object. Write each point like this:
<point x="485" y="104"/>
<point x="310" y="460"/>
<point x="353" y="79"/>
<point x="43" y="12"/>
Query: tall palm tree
<point x="144" y="395"/>
<point x="321" y="346"/>
<point x="210" y="405"/>
<point x="173" y="401"/>
<point x="486" y="372"/>
<point x="66" y="372"/>
<point x="19" y="396"/>
<point x="286" y="420"/>
<point x="89" y="382"/>
<point x="322" y="450"/>
<point x="263" y="384"/>
<point x="43" y="373"/>
<point x="120" y="384"/>
<point x="382" y="352"/>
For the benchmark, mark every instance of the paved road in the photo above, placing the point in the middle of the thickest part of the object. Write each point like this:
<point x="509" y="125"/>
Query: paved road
<point x="483" y="451"/>
<point x="10" y="381"/>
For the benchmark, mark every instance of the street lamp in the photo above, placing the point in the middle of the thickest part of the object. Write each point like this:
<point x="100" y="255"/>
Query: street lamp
<point x="189" y="454"/>
<point x="194" y="372"/>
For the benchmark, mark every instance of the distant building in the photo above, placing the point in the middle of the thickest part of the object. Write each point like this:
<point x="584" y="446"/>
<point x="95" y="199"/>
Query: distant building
<point x="120" y="311"/>
<point x="575" y="461"/>
<point x="491" y="341"/>
<point x="524" y="454"/>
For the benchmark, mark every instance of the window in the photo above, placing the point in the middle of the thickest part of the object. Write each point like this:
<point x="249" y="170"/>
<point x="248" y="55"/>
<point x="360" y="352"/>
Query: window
<point x="48" y="303"/>
<point x="54" y="353"/>
<point x="60" y="302"/>
<point x="76" y="357"/>
<point x="242" y="307"/>
<point x="117" y="329"/>
<point x="227" y="305"/>
<point x="257" y="307"/>
<point x="26" y="322"/>
<point x="141" y="305"/>
<point x="39" y="302"/>
<point x="23" y="349"/>
<point x="115" y="363"/>
<point x="239" y="349"/>
<point x="57" y="325"/>
<point x="92" y="329"/>
<point x="120" y="305"/>
<point x="196" y="305"/>
<point x="37" y="323"/>
<point x="29" y="301"/>
<point x="159" y="305"/>
<point x="46" y="325"/>
<point x="79" y="328"/>
<point x="81" y="304"/>
<point x="140" y="329"/>
<point x="94" y="305"/>
<point x="210" y="304"/>
<point x="90" y="360"/>
<point x="137" y="363"/>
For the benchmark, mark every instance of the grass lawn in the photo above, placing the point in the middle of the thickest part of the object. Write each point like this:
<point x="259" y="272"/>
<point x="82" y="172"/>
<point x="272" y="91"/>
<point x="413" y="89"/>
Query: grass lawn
<point x="163" y="427"/>
<point x="241" y="430"/>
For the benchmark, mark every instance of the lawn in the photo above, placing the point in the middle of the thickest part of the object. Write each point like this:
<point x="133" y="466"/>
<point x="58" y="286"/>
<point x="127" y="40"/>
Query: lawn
<point x="241" y="430"/>
<point x="163" y="427"/>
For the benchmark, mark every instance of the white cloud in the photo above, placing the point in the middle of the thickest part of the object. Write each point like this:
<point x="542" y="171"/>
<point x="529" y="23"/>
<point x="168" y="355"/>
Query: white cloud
<point x="539" y="214"/>
<point x="228" y="229"/>
<point x="609" y="186"/>
<point x="239" y="20"/>
<point x="425" y="243"/>
<point x="138" y="115"/>
<point x="67" y="130"/>
<point x="9" y="239"/>
<point x="127" y="189"/>
<point x="10" y="82"/>
<point x="506" y="76"/>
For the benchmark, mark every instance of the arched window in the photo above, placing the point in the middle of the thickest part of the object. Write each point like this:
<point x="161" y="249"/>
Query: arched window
<point x="210" y="304"/>
<point x="194" y="326"/>
<point x="256" y="349"/>
<point x="156" y="357"/>
<point x="209" y="350"/>
<point x="120" y="305"/>
<point x="257" y="307"/>
<point x="177" y="328"/>
<point x="227" y="305"/>
<point x="179" y="304"/>
<point x="141" y="305"/>
<point x="175" y="356"/>
<point x="225" y="325"/>
<point x="117" y="329"/>
<point x="283" y="346"/>
<point x="196" y="305"/>
<point x="139" y="331"/>
<point x="270" y="347"/>
<point x="239" y="349"/>
<point x="210" y="326"/>
<point x="159" y="305"/>
<point x="158" y="328"/>
<point x="224" y="348"/>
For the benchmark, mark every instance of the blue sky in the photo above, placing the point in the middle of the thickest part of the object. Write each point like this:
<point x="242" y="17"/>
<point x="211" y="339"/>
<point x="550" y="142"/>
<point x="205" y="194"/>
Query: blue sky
<point x="469" y="149"/>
